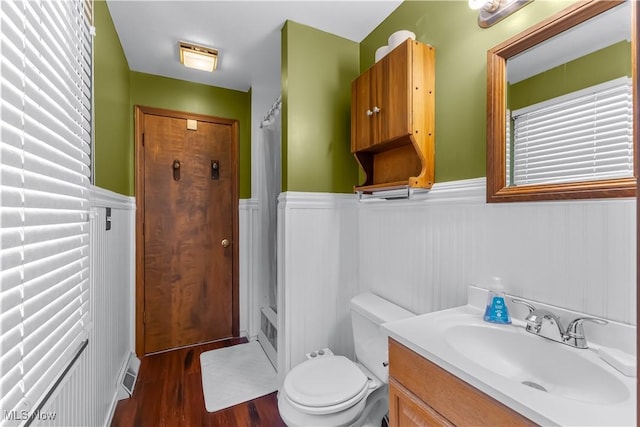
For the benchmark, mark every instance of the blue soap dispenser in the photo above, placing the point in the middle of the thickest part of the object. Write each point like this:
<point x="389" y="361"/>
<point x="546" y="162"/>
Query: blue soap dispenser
<point x="497" y="310"/>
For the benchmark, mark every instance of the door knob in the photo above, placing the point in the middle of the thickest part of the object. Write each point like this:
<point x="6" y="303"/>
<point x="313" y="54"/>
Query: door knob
<point x="225" y="243"/>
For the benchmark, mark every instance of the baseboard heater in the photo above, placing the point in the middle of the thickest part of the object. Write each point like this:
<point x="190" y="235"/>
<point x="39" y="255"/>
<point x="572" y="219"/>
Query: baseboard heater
<point x="268" y="334"/>
<point x="128" y="382"/>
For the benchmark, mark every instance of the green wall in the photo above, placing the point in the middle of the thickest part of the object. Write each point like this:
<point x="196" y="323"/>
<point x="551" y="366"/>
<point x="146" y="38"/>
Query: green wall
<point x="163" y="92"/>
<point x="461" y="79"/>
<point x="598" y="67"/>
<point x="113" y="156"/>
<point x="317" y="70"/>
<point x="118" y="90"/>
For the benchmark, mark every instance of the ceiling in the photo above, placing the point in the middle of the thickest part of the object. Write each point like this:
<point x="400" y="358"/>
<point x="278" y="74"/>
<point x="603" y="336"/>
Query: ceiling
<point x="247" y="33"/>
<point x="596" y="33"/>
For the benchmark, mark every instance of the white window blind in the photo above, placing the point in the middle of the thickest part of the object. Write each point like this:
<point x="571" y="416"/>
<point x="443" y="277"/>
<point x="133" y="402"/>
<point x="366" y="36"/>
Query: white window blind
<point x="507" y="166"/>
<point x="45" y="150"/>
<point x="583" y="136"/>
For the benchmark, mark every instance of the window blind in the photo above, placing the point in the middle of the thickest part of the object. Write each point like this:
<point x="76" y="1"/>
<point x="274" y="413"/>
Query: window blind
<point x="583" y="136"/>
<point x="507" y="166"/>
<point x="45" y="150"/>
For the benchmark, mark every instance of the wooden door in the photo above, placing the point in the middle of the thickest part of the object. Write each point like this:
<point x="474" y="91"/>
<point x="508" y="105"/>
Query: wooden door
<point x="188" y="237"/>
<point x="395" y="90"/>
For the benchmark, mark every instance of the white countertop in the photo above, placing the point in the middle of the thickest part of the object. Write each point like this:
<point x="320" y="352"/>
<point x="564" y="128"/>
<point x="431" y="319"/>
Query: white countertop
<point x="425" y="334"/>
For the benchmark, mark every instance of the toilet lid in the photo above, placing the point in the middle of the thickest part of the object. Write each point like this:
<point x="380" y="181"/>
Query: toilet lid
<point x="325" y="382"/>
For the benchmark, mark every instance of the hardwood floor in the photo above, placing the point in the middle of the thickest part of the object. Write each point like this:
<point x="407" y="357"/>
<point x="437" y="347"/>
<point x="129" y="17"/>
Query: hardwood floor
<point x="168" y="393"/>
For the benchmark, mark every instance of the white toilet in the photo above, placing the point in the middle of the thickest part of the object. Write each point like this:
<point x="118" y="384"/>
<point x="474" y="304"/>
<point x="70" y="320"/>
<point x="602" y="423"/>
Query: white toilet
<point x="333" y="391"/>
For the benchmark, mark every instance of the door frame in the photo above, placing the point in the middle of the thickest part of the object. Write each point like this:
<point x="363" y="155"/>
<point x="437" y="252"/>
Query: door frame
<point x="140" y="112"/>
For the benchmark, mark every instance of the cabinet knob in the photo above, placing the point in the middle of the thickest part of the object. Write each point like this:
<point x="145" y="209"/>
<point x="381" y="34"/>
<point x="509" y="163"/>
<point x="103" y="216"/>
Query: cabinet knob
<point x="376" y="109"/>
<point x="369" y="113"/>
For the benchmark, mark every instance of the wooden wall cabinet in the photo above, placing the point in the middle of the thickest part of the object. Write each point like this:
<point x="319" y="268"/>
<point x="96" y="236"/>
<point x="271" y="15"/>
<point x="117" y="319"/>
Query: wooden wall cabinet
<point x="423" y="394"/>
<point x="393" y="119"/>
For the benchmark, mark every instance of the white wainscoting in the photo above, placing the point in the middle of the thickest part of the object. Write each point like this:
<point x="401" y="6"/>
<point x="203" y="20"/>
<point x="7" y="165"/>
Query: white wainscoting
<point x="317" y="274"/>
<point x="87" y="395"/>
<point x="423" y="253"/>
<point x="575" y="254"/>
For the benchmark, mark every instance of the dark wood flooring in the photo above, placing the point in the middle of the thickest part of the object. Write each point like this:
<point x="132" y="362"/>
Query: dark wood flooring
<point x="168" y="393"/>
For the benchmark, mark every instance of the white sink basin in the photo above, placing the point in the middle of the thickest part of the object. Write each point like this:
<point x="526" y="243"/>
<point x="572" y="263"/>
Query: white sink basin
<point x="544" y="365"/>
<point x="546" y="381"/>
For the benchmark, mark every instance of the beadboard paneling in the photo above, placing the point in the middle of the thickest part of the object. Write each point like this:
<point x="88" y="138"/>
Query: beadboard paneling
<point x="87" y="395"/>
<point x="317" y="275"/>
<point x="422" y="254"/>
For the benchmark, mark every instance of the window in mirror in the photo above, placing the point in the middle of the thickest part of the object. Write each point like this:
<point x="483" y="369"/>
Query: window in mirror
<point x="560" y="107"/>
<point x="586" y="135"/>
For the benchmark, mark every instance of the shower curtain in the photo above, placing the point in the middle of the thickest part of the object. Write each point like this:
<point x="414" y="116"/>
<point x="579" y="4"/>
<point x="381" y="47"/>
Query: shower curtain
<point x="271" y="135"/>
<point x="270" y="185"/>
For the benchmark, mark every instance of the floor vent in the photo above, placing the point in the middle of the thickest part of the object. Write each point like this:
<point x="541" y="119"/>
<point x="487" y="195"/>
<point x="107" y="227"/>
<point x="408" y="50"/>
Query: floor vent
<point x="268" y="334"/>
<point x="125" y="390"/>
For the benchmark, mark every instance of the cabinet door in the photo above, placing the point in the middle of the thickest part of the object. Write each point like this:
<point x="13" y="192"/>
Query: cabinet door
<point x="394" y="93"/>
<point x="362" y="135"/>
<point x="406" y="410"/>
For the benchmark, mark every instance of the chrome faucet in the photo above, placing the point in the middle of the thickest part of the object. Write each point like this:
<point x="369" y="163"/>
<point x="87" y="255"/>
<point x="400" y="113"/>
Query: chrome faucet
<point x="572" y="336"/>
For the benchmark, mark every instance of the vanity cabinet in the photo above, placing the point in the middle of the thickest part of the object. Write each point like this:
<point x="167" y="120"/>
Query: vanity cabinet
<point x="423" y="394"/>
<point x="393" y="120"/>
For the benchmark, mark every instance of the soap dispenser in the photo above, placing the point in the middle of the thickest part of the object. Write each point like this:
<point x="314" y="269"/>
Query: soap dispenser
<point x="497" y="310"/>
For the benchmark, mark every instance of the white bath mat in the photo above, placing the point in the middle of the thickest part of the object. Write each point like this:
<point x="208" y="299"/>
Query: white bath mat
<point x="236" y="374"/>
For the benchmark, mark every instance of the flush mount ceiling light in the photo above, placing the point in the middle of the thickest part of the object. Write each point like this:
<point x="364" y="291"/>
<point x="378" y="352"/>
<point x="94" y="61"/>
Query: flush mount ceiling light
<point x="198" y="57"/>
<point x="492" y="11"/>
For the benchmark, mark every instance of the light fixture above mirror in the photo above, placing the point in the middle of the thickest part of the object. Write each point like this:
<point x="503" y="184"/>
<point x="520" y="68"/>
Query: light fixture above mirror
<point x="198" y="57"/>
<point x="492" y="11"/>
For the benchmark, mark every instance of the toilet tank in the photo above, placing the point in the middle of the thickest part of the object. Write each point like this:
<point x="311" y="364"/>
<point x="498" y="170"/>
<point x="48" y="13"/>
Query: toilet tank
<point x="368" y="312"/>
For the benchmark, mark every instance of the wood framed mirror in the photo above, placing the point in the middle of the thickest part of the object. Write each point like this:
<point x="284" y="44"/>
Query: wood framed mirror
<point x="534" y="56"/>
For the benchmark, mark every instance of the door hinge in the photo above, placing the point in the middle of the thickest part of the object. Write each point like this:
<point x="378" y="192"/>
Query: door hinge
<point x="143" y="139"/>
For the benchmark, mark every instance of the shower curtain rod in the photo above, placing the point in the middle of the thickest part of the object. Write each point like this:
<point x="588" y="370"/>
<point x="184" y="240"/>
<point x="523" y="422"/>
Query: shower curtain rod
<point x="273" y="108"/>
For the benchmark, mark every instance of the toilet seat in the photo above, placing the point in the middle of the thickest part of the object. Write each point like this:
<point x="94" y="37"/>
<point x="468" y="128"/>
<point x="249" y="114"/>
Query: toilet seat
<point x="325" y="386"/>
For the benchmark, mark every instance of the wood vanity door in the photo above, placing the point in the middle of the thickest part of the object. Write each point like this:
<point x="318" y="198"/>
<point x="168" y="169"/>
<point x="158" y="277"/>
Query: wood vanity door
<point x="406" y="410"/>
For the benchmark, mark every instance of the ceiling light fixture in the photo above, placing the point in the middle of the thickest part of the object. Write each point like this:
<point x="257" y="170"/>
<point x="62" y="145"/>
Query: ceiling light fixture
<point x="198" y="57"/>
